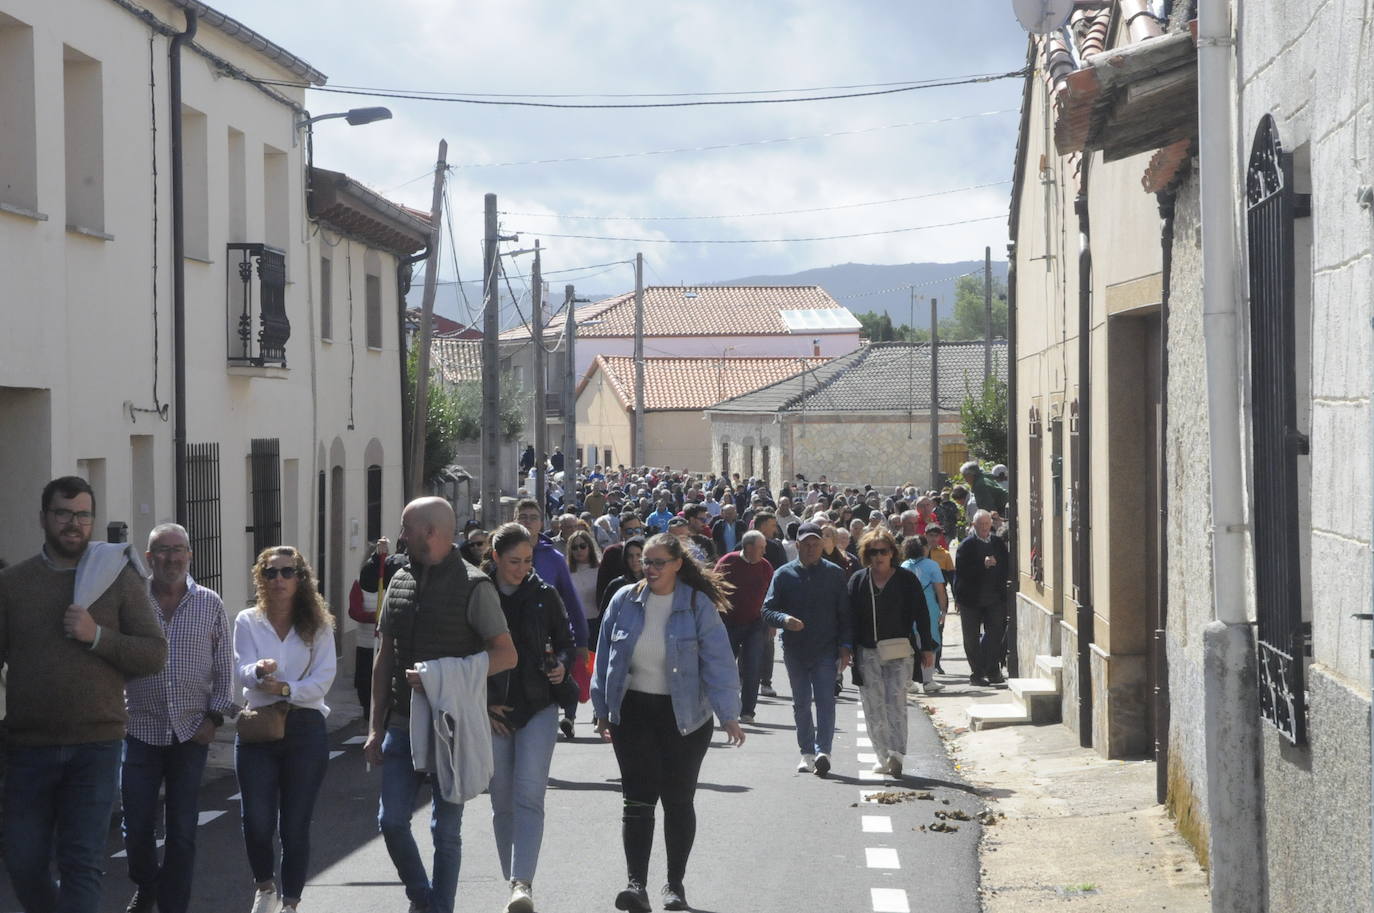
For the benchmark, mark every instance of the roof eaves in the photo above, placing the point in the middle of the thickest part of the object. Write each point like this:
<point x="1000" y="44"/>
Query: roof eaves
<point x="253" y="41"/>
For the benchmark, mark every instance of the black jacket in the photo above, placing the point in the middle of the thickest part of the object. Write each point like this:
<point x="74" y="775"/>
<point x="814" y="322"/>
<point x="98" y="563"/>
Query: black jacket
<point x="718" y="535"/>
<point x="976" y="584"/>
<point x="537" y="619"/>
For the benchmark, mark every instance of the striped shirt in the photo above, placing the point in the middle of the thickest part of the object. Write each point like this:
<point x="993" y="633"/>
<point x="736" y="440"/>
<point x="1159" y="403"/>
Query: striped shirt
<point x="198" y="677"/>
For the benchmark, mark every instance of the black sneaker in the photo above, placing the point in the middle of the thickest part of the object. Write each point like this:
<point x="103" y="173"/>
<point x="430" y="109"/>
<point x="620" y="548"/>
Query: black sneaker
<point x="978" y="680"/>
<point x="143" y="901"/>
<point x="822" y="764"/>
<point x="633" y="899"/>
<point x="674" y="897"/>
<point x="997" y="678"/>
<point x="566" y="725"/>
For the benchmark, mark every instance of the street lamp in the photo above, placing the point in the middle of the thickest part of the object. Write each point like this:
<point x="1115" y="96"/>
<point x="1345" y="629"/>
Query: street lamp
<point x="356" y="117"/>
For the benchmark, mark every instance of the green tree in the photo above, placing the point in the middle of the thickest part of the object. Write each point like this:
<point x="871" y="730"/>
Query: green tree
<point x="983" y="417"/>
<point x="455" y="414"/>
<point x="970" y="314"/>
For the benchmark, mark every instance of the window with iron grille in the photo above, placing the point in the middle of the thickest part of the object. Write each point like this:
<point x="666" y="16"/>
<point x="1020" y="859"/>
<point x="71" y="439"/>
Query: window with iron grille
<point x="749" y="460"/>
<point x="203" y="514"/>
<point x="1035" y="431"/>
<point x="1272" y="205"/>
<point x="321" y="533"/>
<point x="374" y="503"/>
<point x="1078" y="466"/>
<point x="725" y="458"/>
<point x="265" y="494"/>
<point x="767" y="459"/>
<point x="374" y="311"/>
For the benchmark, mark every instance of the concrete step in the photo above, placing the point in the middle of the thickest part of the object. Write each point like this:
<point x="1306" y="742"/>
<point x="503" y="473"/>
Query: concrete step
<point x="991" y="716"/>
<point x="1039" y="697"/>
<point x="1050" y="667"/>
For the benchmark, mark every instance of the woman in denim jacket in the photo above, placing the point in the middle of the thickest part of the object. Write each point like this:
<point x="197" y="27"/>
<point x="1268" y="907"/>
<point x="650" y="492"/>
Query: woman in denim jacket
<point x="663" y="664"/>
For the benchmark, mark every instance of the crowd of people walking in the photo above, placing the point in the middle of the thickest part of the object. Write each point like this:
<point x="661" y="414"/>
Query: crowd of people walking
<point x="656" y="597"/>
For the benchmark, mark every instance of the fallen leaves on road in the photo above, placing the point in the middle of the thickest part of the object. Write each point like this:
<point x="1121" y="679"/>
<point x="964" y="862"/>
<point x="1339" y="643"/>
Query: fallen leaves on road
<point x="953" y="815"/>
<point x="896" y="796"/>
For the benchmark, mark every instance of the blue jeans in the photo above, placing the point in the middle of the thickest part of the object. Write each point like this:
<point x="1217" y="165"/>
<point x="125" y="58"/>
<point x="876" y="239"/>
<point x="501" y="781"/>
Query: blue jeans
<point x="812" y="678"/>
<point x="62" y="794"/>
<point x="747" y="643"/>
<point x="400" y="784"/>
<point x="279" y="782"/>
<point x="146" y="768"/>
<point x="517" y="792"/>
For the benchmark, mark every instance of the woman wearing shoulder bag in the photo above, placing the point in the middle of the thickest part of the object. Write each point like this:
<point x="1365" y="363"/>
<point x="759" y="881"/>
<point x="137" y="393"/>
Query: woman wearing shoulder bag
<point x="284" y="657"/>
<point x="523" y="705"/>
<point x="886" y="602"/>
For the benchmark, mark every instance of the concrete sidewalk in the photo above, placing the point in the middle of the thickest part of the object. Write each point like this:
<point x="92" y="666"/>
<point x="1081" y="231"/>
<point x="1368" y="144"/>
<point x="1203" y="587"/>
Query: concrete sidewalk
<point x="1076" y="828"/>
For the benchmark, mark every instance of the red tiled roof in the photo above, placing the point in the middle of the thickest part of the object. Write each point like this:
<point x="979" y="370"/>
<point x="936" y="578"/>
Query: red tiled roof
<point x="702" y="310"/>
<point x="694" y="383"/>
<point x="1167" y="165"/>
<point x="456" y="360"/>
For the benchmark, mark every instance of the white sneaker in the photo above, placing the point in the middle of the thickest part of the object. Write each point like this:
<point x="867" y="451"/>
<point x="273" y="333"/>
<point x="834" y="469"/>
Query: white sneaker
<point x="913" y="687"/>
<point x="266" y="902"/>
<point x="879" y="767"/>
<point x="933" y="686"/>
<point x="894" y="765"/>
<point x="521" y="898"/>
<point x="806" y="765"/>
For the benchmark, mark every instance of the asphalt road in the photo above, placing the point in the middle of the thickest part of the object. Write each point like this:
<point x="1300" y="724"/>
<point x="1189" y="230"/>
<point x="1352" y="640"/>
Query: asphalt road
<point x="769" y="840"/>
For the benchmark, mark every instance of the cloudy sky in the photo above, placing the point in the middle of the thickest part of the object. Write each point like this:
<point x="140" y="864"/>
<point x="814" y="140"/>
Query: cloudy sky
<point x="914" y="144"/>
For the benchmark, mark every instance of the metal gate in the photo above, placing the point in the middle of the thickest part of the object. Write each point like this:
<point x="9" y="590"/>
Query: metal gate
<point x="265" y="457"/>
<point x="203" y="514"/>
<point x="1272" y="205"/>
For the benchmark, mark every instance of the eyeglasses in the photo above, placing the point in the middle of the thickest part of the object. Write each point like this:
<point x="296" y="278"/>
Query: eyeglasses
<point x="171" y="551"/>
<point x="880" y="551"/>
<point x="580" y="545"/>
<point x="270" y="573"/>
<point x="657" y="563"/>
<point x="529" y="518"/>
<point x="83" y="517"/>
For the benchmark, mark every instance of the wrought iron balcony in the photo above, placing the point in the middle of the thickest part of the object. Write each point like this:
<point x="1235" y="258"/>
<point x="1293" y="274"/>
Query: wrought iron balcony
<point x="553" y="405"/>
<point x="265" y="348"/>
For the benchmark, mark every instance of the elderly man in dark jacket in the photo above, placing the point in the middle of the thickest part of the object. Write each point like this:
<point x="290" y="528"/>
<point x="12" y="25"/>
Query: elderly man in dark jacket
<point x="980" y="589"/>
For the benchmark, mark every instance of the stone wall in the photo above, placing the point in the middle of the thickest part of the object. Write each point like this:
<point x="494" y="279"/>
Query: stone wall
<point x="1037" y="633"/>
<point x="881" y="451"/>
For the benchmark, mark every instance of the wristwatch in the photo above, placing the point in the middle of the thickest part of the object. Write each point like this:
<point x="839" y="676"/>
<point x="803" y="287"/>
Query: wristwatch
<point x="215" y="717"/>
<point x="285" y="689"/>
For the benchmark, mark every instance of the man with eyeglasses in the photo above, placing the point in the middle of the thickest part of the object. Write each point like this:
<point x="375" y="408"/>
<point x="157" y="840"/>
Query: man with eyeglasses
<point x="173" y="716"/>
<point x="65" y="704"/>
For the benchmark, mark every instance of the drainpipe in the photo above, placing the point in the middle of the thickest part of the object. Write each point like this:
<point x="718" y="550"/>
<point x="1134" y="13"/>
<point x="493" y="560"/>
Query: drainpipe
<point x="1013" y="460"/>
<point x="1083" y="549"/>
<point x="403" y="280"/>
<point x="1167" y="200"/>
<point x="178" y="268"/>
<point x="1230" y="697"/>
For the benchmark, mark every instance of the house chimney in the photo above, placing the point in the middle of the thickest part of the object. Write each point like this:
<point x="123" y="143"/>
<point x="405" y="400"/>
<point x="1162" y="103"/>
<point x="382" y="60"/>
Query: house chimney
<point x="816" y="348"/>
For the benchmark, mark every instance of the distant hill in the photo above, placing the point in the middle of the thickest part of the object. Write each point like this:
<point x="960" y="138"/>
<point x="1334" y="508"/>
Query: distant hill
<point x="874" y="287"/>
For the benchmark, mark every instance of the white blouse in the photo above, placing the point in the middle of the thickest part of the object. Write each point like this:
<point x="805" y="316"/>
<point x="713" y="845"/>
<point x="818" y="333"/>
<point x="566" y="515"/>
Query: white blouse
<point x="307" y="667"/>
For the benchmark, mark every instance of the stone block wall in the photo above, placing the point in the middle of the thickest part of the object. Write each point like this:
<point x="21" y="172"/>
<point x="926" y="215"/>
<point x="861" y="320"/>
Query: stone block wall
<point x="1037" y="633"/>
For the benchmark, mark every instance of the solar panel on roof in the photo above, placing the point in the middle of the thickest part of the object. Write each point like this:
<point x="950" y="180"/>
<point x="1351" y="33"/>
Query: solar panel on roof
<point x="814" y="319"/>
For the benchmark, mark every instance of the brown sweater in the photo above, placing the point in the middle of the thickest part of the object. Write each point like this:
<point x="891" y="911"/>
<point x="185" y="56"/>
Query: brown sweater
<point x="61" y="691"/>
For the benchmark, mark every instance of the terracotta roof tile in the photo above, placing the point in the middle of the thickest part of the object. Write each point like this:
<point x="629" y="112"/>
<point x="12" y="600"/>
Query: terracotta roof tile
<point x="695" y="383"/>
<point x="703" y="310"/>
<point x="456" y="360"/>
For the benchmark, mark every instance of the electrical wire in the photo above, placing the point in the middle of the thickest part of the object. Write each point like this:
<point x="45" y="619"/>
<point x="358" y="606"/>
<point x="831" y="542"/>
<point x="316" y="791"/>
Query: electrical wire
<point x="453" y="253"/>
<point x="861" y="234"/>
<point x="552" y="272"/>
<point x="908" y="286"/>
<point x="751" y="215"/>
<point x="501" y="102"/>
<point x="743" y="143"/>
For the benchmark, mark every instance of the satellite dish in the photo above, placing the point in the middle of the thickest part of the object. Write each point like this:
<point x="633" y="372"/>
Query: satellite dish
<point x="1043" y="16"/>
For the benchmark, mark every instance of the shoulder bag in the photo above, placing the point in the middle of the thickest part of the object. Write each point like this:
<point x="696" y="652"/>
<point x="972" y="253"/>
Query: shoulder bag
<point x="889" y="648"/>
<point x="267" y="723"/>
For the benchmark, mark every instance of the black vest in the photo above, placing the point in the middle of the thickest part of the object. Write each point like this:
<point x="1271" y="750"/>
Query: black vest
<point x="426" y="615"/>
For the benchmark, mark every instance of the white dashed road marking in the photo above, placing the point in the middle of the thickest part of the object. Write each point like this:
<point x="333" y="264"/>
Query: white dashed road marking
<point x="889" y="900"/>
<point x="881" y="857"/>
<point x="877" y="824"/>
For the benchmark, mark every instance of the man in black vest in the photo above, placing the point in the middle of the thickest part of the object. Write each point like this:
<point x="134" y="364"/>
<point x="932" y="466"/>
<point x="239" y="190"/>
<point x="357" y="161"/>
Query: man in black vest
<point x="437" y="607"/>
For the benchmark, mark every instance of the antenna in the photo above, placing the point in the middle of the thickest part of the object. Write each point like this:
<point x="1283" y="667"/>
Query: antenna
<point x="1043" y="16"/>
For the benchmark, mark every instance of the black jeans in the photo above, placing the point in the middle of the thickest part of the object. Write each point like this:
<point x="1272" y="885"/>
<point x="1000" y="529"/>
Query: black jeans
<point x="984" y="653"/>
<point x="657" y="764"/>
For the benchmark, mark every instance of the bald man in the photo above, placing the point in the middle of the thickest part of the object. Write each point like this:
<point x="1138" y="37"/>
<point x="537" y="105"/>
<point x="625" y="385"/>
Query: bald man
<point x="439" y="606"/>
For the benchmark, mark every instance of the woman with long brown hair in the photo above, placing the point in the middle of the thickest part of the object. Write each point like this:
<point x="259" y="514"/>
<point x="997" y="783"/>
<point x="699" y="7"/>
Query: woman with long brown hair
<point x="284" y="661"/>
<point x="663" y="664"/>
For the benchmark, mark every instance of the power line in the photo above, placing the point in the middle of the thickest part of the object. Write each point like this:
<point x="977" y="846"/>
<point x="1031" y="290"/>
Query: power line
<point x="751" y="215"/>
<point x="470" y="100"/>
<point x="907" y="287"/>
<point x="453" y="254"/>
<point x="719" y="146"/>
<point x="551" y="272"/>
<point x="862" y="234"/>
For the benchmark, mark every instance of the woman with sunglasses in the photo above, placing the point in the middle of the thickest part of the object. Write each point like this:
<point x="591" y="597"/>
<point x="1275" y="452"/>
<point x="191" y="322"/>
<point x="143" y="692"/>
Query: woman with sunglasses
<point x="887" y="606"/>
<point x="584" y="560"/>
<point x="523" y="705"/>
<point x="663" y="664"/>
<point x="283" y="651"/>
<point x="476" y="545"/>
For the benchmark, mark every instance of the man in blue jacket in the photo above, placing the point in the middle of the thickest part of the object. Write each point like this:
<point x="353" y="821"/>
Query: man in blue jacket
<point x="808" y="600"/>
<point x="552" y="568"/>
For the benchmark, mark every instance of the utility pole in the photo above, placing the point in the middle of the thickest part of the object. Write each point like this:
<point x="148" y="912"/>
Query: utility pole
<point x="638" y="448"/>
<point x="541" y="429"/>
<point x="491" y="328"/>
<point x="934" y="395"/>
<point x="420" y="422"/>
<point x="570" y="394"/>
<point x="987" y="311"/>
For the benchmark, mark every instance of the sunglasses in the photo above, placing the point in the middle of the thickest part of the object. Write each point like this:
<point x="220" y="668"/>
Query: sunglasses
<point x="270" y="573"/>
<point x="580" y="545"/>
<point x="880" y="551"/>
<point x="657" y="563"/>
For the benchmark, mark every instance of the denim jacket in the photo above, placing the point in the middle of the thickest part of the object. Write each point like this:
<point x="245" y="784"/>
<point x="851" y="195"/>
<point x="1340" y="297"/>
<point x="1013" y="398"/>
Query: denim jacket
<point x="702" y="672"/>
